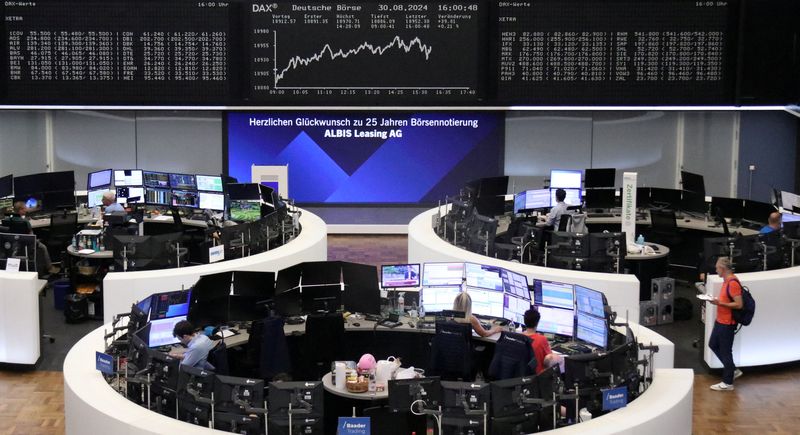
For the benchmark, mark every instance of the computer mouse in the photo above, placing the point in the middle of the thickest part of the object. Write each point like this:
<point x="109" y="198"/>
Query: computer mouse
<point x="687" y="220"/>
<point x="356" y="324"/>
<point x="411" y="325"/>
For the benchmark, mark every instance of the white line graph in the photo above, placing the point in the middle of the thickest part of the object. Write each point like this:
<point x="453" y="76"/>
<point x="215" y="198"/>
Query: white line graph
<point x="396" y="42"/>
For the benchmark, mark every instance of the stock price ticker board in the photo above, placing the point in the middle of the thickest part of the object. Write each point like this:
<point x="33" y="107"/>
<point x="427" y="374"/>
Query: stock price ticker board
<point x="615" y="51"/>
<point x="366" y="52"/>
<point x="117" y="52"/>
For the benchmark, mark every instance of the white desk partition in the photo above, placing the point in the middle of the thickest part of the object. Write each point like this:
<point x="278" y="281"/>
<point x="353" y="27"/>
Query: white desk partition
<point x="424" y="245"/>
<point x="772" y="336"/>
<point x="19" y="317"/>
<point x="121" y="289"/>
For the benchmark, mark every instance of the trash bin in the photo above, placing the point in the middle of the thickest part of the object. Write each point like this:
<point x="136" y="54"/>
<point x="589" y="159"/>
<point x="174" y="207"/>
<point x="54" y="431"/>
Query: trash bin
<point x="61" y="288"/>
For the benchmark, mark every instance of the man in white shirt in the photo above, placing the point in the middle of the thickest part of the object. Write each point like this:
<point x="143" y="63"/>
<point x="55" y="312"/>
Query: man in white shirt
<point x="110" y="203"/>
<point x="197" y="346"/>
<point x="554" y="217"/>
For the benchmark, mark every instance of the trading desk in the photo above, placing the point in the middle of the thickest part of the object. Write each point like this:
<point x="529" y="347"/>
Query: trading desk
<point x="90" y="402"/>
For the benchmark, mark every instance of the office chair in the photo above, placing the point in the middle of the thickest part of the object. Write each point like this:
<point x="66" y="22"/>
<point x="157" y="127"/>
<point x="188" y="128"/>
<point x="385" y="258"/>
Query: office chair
<point x="564" y="221"/>
<point x="513" y="357"/>
<point x="16" y="226"/>
<point x="62" y="228"/>
<point x="324" y="341"/>
<point x="482" y="235"/>
<point x="4" y="229"/>
<point x="274" y="355"/>
<point x="451" y="351"/>
<point x="664" y="227"/>
<point x="218" y="357"/>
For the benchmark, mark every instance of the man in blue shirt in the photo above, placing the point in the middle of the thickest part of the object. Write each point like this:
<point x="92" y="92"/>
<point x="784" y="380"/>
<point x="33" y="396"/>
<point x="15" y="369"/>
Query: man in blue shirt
<point x="197" y="346"/>
<point x="554" y="217"/>
<point x="773" y="223"/>
<point x="110" y="203"/>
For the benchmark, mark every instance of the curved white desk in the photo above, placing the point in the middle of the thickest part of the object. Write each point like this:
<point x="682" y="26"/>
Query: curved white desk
<point x="772" y="336"/>
<point x="19" y="317"/>
<point x="121" y="289"/>
<point x="424" y="245"/>
<point x="90" y="404"/>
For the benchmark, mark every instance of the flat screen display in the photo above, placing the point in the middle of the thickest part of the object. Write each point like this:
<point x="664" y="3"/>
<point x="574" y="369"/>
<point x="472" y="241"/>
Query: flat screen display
<point x="99" y="179"/>
<point x="369" y="157"/>
<point x="532" y="200"/>
<point x="589" y="301"/>
<point x="592" y="330"/>
<point x="123" y="193"/>
<point x="155" y="179"/>
<point x="553" y="294"/>
<point x="483" y="276"/>
<point x="6" y="186"/>
<point x="450" y="274"/>
<point x="558" y="321"/>
<point x="161" y="331"/>
<point x="157" y="196"/>
<point x="400" y="275"/>
<point x="486" y="302"/>
<point x="514" y="308"/>
<point x="245" y="211"/>
<point x="515" y="284"/>
<point x="185" y="198"/>
<point x="182" y="181"/>
<point x="437" y="299"/>
<point x="209" y="183"/>
<point x="128" y="177"/>
<point x="599" y="177"/>
<point x="95" y="197"/>
<point x="212" y="201"/>
<point x="565" y="178"/>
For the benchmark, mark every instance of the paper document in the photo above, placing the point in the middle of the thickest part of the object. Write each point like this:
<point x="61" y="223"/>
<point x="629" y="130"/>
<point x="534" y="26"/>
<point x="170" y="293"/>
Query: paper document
<point x="706" y="297"/>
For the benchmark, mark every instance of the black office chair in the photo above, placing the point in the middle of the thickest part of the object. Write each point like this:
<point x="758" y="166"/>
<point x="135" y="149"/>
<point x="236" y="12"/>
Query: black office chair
<point x="17" y="226"/>
<point x="513" y="357"/>
<point x="218" y="357"/>
<point x="564" y="221"/>
<point x="324" y="341"/>
<point x="274" y="355"/>
<point x="451" y="351"/>
<point x="63" y="226"/>
<point x="664" y="228"/>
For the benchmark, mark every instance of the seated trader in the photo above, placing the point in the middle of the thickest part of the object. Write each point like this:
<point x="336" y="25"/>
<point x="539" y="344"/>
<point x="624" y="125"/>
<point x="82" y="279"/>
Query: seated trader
<point x="463" y="303"/>
<point x="110" y="203"/>
<point x="545" y="358"/>
<point x="554" y="217"/>
<point x="43" y="263"/>
<point x="773" y="223"/>
<point x="197" y="346"/>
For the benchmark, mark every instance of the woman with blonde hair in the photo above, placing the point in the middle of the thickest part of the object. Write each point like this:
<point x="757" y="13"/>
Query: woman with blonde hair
<point x="463" y="303"/>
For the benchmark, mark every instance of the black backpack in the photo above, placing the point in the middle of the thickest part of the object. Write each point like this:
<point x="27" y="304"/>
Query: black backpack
<point x="744" y="315"/>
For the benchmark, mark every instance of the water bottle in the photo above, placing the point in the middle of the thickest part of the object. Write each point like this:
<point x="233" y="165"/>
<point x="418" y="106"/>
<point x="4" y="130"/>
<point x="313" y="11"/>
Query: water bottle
<point x="401" y="303"/>
<point x="74" y="242"/>
<point x="640" y="240"/>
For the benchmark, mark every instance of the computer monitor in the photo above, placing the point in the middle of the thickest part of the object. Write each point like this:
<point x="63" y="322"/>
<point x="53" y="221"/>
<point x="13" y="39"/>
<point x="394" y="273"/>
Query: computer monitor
<point x="438" y="299"/>
<point x="530" y="200"/>
<point x="462" y="396"/>
<point x="244" y="192"/>
<point x="98" y="179"/>
<point x="789" y="200"/>
<point x="182" y="181"/>
<point x="400" y="275"/>
<point x="321" y="273"/>
<point x="6" y="186"/>
<point x="321" y="298"/>
<point x="756" y="211"/>
<point x="600" y="198"/>
<point x="590" y="301"/>
<point x="129" y="195"/>
<point x="20" y="246"/>
<point x="209" y="183"/>
<point x="599" y="177"/>
<point x="128" y="177"/>
<point x="211" y="201"/>
<point x="287" y="303"/>
<point x="693" y="202"/>
<point x="212" y="286"/>
<point x="185" y="198"/>
<point x="791" y="229"/>
<point x="170" y="304"/>
<point x="195" y="382"/>
<point x="515" y="284"/>
<point x="731" y="208"/>
<point x="565" y="178"/>
<point x="238" y="423"/>
<point x="558" y="321"/>
<point x="138" y="352"/>
<point x="573" y="197"/>
<point x="234" y="394"/>
<point x="427" y="392"/>
<point x="693" y="183"/>
<point x="158" y="180"/>
<point x="642" y="197"/>
<point x="58" y="200"/>
<point x="483" y="276"/>
<point x="486" y="302"/>
<point x="569" y="244"/>
<point x="446" y="274"/>
<point x="58" y="181"/>
<point x="95" y="197"/>
<point x="553" y="294"/>
<point x="161" y="331"/>
<point x="157" y="196"/>
<point x="508" y="398"/>
<point x="669" y="198"/>
<point x="245" y="210"/>
<point x="28" y="185"/>
<point x="514" y="308"/>
<point x="165" y="369"/>
<point x="361" y="288"/>
<point x="591" y="329"/>
<point x="306" y="396"/>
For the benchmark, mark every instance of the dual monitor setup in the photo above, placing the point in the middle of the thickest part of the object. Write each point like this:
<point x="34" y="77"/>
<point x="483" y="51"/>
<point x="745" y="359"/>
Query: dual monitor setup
<point x="42" y="193"/>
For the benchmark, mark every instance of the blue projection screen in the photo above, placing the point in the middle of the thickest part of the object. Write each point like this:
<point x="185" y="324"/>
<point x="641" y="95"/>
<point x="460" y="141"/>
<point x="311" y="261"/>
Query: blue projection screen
<point x="368" y="157"/>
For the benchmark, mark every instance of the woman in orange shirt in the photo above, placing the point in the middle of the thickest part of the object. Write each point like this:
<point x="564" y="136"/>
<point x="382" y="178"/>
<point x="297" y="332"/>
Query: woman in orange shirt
<point x="721" y="340"/>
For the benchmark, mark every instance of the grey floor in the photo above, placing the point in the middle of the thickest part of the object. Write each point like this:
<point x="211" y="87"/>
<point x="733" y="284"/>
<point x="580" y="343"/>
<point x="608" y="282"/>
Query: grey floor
<point x="65" y="334"/>
<point x="687" y="335"/>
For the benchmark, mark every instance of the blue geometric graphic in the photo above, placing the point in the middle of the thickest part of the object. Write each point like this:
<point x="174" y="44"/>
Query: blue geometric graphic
<point x="368" y="157"/>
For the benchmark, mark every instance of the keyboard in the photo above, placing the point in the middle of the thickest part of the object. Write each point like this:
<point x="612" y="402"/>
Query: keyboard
<point x="600" y="215"/>
<point x="426" y="325"/>
<point x="571" y="348"/>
